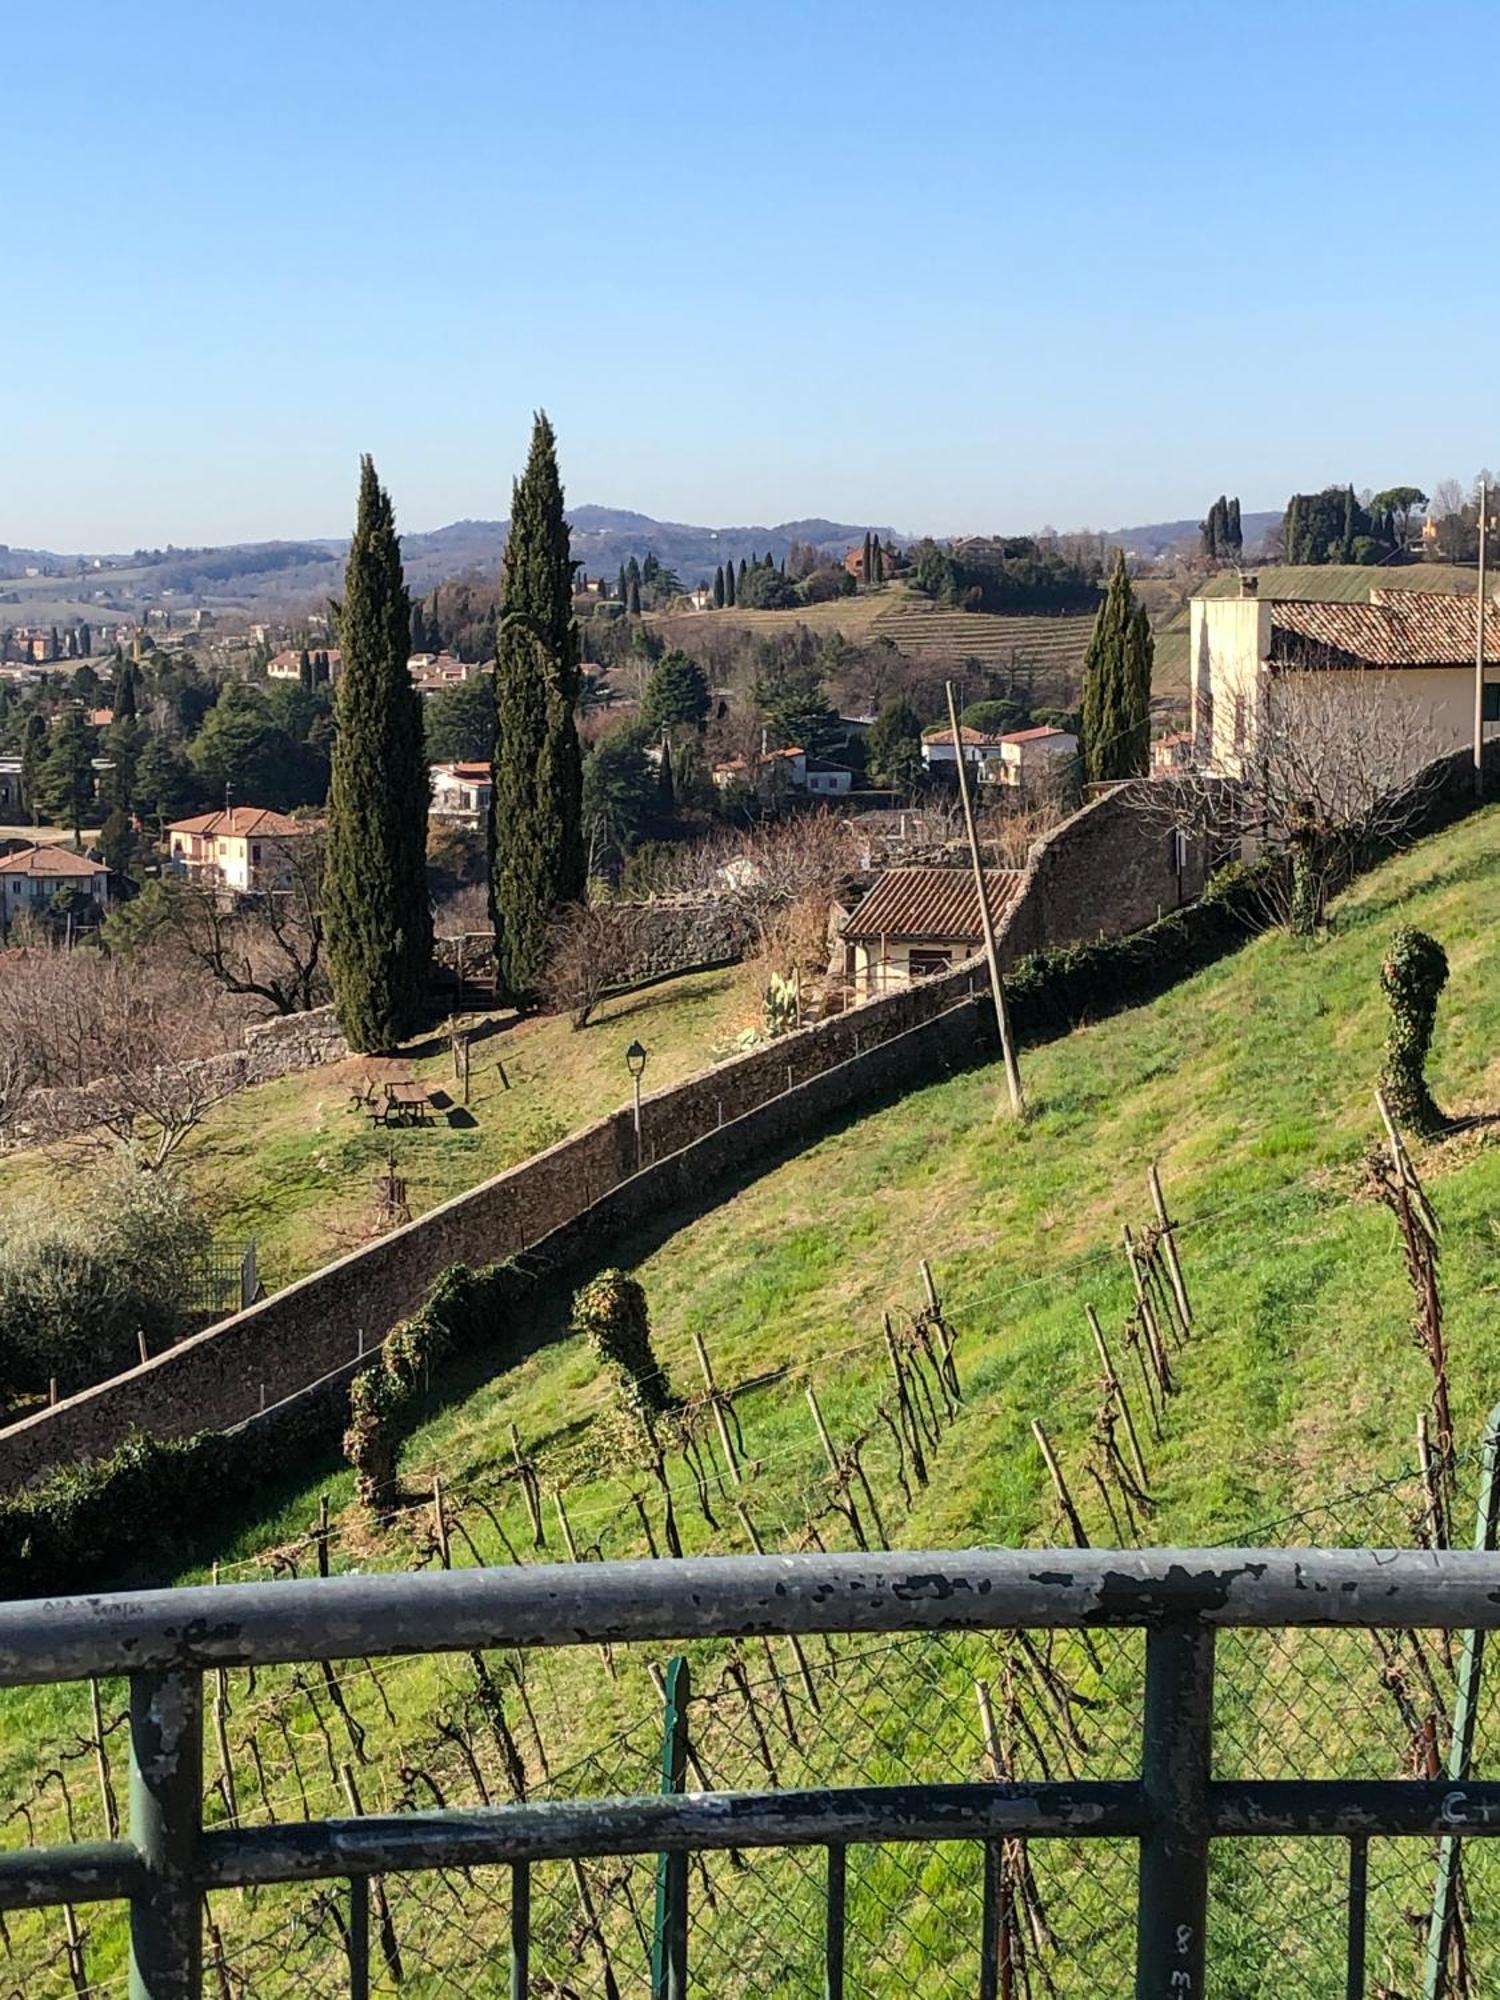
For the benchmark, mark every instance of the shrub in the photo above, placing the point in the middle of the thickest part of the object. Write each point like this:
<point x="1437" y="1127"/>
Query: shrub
<point x="1413" y="975"/>
<point x="79" y="1287"/>
<point x="460" y="1312"/>
<point x="612" y="1314"/>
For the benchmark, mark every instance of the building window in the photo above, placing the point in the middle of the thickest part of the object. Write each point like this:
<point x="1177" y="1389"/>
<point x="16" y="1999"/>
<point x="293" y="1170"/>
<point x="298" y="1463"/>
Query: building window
<point x="1492" y="701"/>
<point x="927" y="964"/>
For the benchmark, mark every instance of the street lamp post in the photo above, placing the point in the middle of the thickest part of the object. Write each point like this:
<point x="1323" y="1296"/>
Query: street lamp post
<point x="635" y="1062"/>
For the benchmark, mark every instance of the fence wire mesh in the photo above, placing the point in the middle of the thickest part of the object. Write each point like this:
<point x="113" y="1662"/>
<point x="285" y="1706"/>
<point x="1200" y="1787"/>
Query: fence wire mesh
<point x="389" y="1736"/>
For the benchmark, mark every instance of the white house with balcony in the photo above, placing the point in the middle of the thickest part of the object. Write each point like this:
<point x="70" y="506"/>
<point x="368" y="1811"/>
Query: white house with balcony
<point x="461" y="793"/>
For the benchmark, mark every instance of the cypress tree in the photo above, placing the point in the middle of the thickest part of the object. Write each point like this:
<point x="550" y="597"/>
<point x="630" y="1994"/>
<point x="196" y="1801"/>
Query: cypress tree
<point x="667" y="790"/>
<point x="729" y="584"/>
<point x="719" y="588"/>
<point x="305" y="668"/>
<point x="877" y="557"/>
<point x="866" y="567"/>
<point x="124" y="703"/>
<point x="743" y="572"/>
<point x="1236" y="534"/>
<point x="537" y="858"/>
<point x="634" y="606"/>
<point x="1117" y="685"/>
<point x="33" y="754"/>
<point x="624" y="584"/>
<point x="376" y="912"/>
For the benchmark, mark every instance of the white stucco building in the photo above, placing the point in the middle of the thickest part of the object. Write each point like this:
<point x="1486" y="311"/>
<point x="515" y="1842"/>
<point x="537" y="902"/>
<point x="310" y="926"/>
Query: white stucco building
<point x="31" y="877"/>
<point x="918" y="922"/>
<point x="1412" y="650"/>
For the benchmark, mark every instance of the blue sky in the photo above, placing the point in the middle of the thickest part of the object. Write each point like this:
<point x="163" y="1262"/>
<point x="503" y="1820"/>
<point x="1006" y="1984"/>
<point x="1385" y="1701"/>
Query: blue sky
<point x="958" y="267"/>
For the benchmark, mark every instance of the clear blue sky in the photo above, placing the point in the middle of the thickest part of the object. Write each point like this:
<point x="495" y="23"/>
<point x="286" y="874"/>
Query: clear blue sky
<point x="964" y="266"/>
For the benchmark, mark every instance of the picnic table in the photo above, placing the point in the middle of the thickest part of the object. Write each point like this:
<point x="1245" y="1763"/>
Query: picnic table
<point x="396" y="1101"/>
<point x="407" y="1103"/>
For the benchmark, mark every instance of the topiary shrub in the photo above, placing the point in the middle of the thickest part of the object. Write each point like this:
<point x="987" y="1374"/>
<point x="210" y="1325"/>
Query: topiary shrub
<point x="612" y="1315"/>
<point x="459" y="1313"/>
<point x="1413" y="975"/>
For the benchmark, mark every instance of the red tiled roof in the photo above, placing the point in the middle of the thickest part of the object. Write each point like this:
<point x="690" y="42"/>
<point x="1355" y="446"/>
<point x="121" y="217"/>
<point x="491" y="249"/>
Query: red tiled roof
<point x="1397" y="628"/>
<point x="1036" y="735"/>
<point x="937" y="903"/>
<point x="967" y="734"/>
<point x="50" y="861"/>
<point x="239" y="822"/>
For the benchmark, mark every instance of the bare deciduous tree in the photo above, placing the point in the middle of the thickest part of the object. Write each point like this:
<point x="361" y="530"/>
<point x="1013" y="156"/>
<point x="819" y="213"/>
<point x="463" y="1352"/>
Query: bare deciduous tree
<point x="1335" y="763"/>
<point x="266" y="946"/>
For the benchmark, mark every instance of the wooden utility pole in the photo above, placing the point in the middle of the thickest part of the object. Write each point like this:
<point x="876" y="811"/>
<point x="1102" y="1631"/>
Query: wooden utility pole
<point x="1484" y="508"/>
<point x="1002" y="1019"/>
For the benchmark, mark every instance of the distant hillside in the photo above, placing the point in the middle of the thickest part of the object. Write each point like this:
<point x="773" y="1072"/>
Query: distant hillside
<point x="267" y="576"/>
<point x="1159" y="538"/>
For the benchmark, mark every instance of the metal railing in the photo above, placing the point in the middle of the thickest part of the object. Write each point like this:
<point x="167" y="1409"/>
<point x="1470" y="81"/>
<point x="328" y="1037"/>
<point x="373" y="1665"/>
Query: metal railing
<point x="1174" y="1808"/>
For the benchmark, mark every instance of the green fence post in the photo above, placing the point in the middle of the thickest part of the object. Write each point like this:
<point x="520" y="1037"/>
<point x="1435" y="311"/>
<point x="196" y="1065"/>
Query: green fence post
<point x="1176" y="1758"/>
<point x="1465" y="1714"/>
<point x="166" y="1806"/>
<point x="669" y="1949"/>
<point x="520" y="1931"/>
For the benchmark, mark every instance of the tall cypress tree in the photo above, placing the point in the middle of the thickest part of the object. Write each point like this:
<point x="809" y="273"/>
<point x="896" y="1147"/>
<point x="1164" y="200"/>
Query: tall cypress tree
<point x="729" y="592"/>
<point x="124" y="702"/>
<point x="719" y="588"/>
<point x="537" y="856"/>
<point x="376" y="912"/>
<point x="1117" y="685"/>
<point x="877" y="556"/>
<point x="866" y="566"/>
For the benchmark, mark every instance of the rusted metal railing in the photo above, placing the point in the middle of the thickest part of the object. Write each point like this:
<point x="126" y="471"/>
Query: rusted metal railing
<point x="165" y="1641"/>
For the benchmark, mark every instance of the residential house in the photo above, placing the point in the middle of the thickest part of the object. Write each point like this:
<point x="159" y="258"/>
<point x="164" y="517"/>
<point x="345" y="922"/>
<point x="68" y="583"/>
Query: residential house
<point x="1171" y="753"/>
<point x="1415" y="648"/>
<point x="33" y="876"/>
<point x="918" y="922"/>
<point x="787" y="766"/>
<point x="431" y="672"/>
<point x="287" y="664"/>
<point x="826" y="780"/>
<point x="980" y="749"/>
<point x="1033" y="757"/>
<point x="461" y="793"/>
<point x="248" y="849"/>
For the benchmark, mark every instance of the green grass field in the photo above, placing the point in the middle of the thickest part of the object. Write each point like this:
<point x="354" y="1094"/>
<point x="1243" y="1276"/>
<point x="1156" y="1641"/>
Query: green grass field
<point x="294" y="1165"/>
<point x="1252" y="1085"/>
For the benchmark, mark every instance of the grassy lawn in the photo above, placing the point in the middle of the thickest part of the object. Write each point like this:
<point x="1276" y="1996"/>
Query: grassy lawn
<point x="1251" y="1084"/>
<point x="293" y="1164"/>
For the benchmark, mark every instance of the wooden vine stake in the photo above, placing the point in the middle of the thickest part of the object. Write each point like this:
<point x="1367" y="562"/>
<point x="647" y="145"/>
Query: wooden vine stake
<point x="1117" y="1388"/>
<point x="1060" y="1486"/>
<point x="1168" y="1240"/>
<point x="716" y="1402"/>
<point x="531" y="1490"/>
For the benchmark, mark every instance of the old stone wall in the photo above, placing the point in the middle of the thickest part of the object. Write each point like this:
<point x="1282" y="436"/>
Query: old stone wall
<point x="1103" y="872"/>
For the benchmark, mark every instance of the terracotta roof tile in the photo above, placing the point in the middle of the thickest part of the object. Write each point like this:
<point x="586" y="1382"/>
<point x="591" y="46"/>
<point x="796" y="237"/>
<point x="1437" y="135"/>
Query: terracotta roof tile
<point x="50" y="861"/>
<point x="937" y="903"/>
<point x="238" y="822"/>
<point x="1397" y="628"/>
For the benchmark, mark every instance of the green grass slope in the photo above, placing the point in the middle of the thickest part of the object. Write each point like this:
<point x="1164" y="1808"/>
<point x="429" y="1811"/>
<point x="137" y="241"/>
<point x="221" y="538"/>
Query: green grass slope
<point x="1252" y="1085"/>
<point x="294" y="1163"/>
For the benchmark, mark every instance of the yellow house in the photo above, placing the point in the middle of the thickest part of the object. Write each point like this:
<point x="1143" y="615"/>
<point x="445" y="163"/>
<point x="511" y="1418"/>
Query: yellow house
<point x="1411" y="650"/>
<point x="918" y="922"/>
<point x="245" y="848"/>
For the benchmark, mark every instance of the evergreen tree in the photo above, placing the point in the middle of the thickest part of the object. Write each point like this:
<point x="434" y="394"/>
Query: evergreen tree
<point x="118" y="842"/>
<point x="163" y="782"/>
<point x="537" y="859"/>
<point x="633" y="607"/>
<point x="677" y="692"/>
<point x="893" y="748"/>
<point x="624" y="584"/>
<point x="719" y="588"/>
<point x="1235" y="535"/>
<point x="376" y="913"/>
<point x="33" y="752"/>
<point x="877" y="557"/>
<point x="305" y="668"/>
<point x="418" y="627"/>
<point x="866" y="561"/>
<point x="729" y="590"/>
<point x="66" y="776"/>
<point x="667" y="791"/>
<point x="1117" y="685"/>
<point x="742" y="575"/>
<point x="124" y="696"/>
